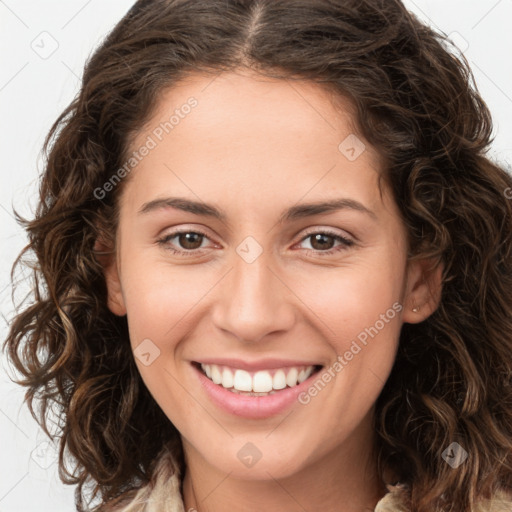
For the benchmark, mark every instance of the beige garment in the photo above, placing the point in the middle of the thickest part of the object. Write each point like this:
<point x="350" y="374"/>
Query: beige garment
<point x="166" y="496"/>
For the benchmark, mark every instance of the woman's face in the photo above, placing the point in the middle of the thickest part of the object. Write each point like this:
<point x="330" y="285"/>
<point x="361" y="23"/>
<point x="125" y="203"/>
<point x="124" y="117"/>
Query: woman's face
<point x="270" y="283"/>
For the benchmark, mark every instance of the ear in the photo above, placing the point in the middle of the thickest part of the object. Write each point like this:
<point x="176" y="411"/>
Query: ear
<point x="106" y="257"/>
<point x="423" y="289"/>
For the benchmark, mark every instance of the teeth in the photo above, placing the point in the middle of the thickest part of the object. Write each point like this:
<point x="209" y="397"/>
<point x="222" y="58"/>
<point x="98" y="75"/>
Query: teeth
<point x="227" y="378"/>
<point x="304" y="374"/>
<point x="279" y="380"/>
<point x="259" y="383"/>
<point x="216" y="375"/>
<point x="251" y="393"/>
<point x="262" y="382"/>
<point x="242" y="381"/>
<point x="291" y="378"/>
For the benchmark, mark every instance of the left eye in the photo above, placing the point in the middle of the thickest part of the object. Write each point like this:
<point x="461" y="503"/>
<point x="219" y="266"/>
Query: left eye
<point x="322" y="242"/>
<point x="188" y="240"/>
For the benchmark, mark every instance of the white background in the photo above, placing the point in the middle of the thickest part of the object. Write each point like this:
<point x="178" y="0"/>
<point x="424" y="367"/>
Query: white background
<point x="35" y="87"/>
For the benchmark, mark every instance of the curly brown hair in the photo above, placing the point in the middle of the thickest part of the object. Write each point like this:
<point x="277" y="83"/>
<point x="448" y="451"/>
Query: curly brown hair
<point x="416" y="102"/>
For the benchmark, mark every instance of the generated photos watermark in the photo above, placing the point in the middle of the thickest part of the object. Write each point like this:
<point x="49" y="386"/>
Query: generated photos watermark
<point x="343" y="360"/>
<point x="151" y="142"/>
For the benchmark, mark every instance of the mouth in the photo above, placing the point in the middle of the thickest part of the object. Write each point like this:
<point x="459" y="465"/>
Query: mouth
<point x="259" y="383"/>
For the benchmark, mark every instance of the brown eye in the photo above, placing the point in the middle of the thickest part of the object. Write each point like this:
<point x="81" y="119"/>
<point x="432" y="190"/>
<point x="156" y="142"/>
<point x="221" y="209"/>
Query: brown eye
<point x="322" y="241"/>
<point x="183" y="242"/>
<point x="326" y="243"/>
<point x="190" y="240"/>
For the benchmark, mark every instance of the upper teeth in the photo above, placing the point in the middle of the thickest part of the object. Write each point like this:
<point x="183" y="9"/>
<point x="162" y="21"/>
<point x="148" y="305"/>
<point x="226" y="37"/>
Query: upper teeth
<point x="259" y="382"/>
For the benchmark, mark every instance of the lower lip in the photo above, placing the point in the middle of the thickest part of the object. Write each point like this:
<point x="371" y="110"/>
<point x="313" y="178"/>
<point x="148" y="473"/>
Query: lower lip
<point x="252" y="407"/>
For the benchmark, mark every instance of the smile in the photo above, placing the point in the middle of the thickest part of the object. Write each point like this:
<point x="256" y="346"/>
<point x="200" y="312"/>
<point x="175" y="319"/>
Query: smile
<point x="254" y="389"/>
<point x="259" y="383"/>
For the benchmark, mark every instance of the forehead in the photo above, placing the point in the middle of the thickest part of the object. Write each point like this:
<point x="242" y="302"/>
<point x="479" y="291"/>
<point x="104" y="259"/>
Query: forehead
<point x="237" y="135"/>
<point x="253" y="104"/>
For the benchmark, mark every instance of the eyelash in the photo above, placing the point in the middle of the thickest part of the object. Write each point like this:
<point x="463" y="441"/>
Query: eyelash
<point x="345" y="242"/>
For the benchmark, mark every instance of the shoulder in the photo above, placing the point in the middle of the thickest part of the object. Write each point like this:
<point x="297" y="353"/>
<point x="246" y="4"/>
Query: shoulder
<point x="161" y="494"/>
<point x="500" y="502"/>
<point x="396" y="501"/>
<point x="119" y="503"/>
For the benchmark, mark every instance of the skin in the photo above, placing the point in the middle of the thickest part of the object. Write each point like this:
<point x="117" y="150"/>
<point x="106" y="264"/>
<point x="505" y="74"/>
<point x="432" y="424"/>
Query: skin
<point x="254" y="147"/>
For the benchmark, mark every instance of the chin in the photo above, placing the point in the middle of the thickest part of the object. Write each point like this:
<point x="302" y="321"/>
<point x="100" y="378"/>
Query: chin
<point x="258" y="460"/>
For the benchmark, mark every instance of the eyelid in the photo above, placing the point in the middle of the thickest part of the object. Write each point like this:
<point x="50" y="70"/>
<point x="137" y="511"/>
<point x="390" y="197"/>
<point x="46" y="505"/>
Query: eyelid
<point x="329" y="231"/>
<point x="345" y="241"/>
<point x="182" y="230"/>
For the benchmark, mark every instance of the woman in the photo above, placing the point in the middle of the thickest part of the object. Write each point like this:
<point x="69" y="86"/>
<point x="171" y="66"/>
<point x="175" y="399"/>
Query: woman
<point x="274" y="267"/>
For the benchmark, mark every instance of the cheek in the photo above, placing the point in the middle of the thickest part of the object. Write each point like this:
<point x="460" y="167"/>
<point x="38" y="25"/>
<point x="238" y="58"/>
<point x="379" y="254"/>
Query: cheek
<point x="358" y="309"/>
<point x="341" y="301"/>
<point x="362" y="328"/>
<point x="352" y="297"/>
<point x="160" y="298"/>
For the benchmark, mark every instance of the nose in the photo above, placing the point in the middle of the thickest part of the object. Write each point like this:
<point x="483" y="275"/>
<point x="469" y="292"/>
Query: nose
<point x="254" y="301"/>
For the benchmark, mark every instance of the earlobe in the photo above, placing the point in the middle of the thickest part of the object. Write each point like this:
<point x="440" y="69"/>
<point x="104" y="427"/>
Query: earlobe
<point x="423" y="290"/>
<point x="107" y="259"/>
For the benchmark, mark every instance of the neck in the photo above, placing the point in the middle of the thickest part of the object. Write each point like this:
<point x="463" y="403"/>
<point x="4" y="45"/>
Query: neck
<point x="344" y="479"/>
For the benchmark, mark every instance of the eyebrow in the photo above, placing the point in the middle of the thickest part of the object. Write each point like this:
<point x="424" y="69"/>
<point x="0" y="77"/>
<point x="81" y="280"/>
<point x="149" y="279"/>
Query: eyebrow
<point x="292" y="213"/>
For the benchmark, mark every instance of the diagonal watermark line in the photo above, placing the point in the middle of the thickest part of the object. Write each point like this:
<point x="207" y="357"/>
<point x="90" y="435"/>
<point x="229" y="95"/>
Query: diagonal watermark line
<point x="216" y="487"/>
<point x="486" y="14"/>
<point x="14" y="76"/>
<point x="426" y="15"/>
<point x="167" y="167"/>
<point x="193" y="192"/>
<point x="211" y="81"/>
<point x="12" y="488"/>
<point x="71" y="70"/>
<point x="13" y="13"/>
<point x="4" y="318"/>
<point x="301" y="300"/>
<point x="492" y="81"/>
<point x="4" y="288"/>
<point x="279" y="424"/>
<point x="376" y="376"/>
<point x="76" y="14"/>
<point x="194" y="305"/>
<point x="289" y="83"/>
<point x="200" y="404"/>
<point x="14" y="423"/>
<point x="307" y="192"/>
<point x="7" y="211"/>
<point x="286" y="491"/>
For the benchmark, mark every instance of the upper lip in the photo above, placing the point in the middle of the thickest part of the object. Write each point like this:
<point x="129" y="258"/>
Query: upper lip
<point x="262" y="364"/>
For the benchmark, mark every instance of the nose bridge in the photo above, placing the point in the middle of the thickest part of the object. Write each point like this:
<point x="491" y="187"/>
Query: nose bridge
<point x="254" y="302"/>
